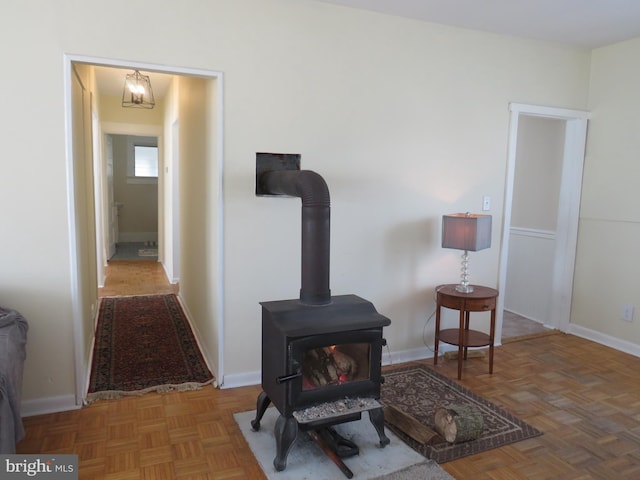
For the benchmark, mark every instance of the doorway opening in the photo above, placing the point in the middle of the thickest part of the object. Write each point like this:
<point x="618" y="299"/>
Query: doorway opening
<point x="541" y="214"/>
<point x="195" y="101"/>
<point x="132" y="215"/>
<point x="132" y="206"/>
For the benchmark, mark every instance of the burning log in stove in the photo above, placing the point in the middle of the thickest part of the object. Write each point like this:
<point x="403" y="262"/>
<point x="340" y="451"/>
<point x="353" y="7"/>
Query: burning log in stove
<point x="319" y="350"/>
<point x="327" y="366"/>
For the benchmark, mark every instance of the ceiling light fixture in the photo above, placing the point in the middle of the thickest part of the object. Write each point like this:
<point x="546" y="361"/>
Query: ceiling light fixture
<point x="137" y="92"/>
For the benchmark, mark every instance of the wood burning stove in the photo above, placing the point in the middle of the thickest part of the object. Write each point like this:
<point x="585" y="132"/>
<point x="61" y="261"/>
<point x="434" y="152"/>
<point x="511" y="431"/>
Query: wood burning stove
<point x="301" y="375"/>
<point x="321" y="354"/>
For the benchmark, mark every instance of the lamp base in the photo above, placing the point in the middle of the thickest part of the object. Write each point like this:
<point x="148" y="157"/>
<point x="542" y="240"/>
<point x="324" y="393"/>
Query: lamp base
<point x="464" y="288"/>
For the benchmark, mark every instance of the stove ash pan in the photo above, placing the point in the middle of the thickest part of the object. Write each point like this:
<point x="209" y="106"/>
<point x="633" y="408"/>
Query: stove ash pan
<point x="293" y="334"/>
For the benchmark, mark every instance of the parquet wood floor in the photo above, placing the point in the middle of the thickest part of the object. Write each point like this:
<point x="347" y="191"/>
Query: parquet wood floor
<point x="584" y="397"/>
<point x="135" y="277"/>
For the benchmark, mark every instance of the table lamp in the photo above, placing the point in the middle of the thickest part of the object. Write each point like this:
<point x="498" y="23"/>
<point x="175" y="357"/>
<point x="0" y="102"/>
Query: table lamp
<point x="468" y="232"/>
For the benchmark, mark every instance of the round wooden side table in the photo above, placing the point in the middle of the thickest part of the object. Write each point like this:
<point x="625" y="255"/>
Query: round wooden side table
<point x="482" y="299"/>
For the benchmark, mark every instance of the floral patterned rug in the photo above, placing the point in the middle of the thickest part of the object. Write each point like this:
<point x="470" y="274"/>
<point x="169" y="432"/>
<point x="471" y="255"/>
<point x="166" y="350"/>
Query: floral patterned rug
<point x="419" y="391"/>
<point x="144" y="343"/>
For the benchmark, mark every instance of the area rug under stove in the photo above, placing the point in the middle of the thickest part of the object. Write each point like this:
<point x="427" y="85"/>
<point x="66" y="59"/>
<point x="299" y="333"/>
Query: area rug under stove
<point x="419" y="391"/>
<point x="306" y="461"/>
<point x="144" y="343"/>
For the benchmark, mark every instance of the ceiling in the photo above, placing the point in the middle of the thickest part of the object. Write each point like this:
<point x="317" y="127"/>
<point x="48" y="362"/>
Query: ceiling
<point x="580" y="23"/>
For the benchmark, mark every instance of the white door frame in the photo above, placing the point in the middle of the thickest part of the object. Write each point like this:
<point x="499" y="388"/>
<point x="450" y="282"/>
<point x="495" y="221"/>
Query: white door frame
<point x="568" y="209"/>
<point x="80" y="366"/>
<point x="175" y="200"/>
<point x="111" y="227"/>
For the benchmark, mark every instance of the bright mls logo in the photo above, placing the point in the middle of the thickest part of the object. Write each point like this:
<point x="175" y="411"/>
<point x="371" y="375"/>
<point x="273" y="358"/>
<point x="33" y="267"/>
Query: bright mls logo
<point x="58" y="467"/>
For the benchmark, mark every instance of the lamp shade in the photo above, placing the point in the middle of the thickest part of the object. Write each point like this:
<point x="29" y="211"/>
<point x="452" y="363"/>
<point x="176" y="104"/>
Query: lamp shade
<point x="466" y="231"/>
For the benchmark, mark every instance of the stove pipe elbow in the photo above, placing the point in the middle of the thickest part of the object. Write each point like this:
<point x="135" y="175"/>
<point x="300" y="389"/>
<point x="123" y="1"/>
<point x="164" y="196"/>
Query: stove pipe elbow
<point x="316" y="220"/>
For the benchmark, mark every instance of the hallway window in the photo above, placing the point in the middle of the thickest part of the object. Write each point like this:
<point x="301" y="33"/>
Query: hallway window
<point x="145" y="161"/>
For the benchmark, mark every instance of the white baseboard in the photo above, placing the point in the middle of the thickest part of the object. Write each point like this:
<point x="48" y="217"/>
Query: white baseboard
<point x="41" y="406"/>
<point x="255" y="378"/>
<point x="392" y="358"/>
<point x="241" y="380"/>
<point x="208" y="358"/>
<point x="173" y="280"/>
<point x="67" y="402"/>
<point x="604" y="339"/>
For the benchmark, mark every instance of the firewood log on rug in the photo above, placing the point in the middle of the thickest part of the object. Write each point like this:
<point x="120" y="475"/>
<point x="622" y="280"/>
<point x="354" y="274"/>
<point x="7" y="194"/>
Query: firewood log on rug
<point x="411" y="426"/>
<point x="458" y="423"/>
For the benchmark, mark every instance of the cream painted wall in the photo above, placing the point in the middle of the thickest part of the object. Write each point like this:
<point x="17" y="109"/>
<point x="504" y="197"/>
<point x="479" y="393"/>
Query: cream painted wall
<point x="82" y="201"/>
<point x="405" y="120"/>
<point x="111" y="111"/>
<point x="538" y="173"/>
<point x="608" y="258"/>
<point x="199" y="194"/>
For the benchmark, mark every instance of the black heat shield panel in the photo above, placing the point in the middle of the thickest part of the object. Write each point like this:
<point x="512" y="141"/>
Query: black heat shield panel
<point x="273" y="162"/>
<point x="345" y="313"/>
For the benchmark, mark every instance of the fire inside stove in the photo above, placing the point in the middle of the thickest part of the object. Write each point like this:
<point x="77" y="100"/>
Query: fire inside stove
<point x="335" y="365"/>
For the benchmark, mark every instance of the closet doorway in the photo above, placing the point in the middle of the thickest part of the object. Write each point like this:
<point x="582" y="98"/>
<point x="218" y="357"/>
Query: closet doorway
<point x="542" y="200"/>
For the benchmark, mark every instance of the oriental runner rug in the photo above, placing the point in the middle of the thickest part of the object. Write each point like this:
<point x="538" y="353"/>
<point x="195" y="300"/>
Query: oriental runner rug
<point x="419" y="391"/>
<point x="143" y="344"/>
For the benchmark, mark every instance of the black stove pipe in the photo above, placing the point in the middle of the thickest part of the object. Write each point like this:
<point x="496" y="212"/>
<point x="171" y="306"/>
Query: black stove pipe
<point x="316" y="216"/>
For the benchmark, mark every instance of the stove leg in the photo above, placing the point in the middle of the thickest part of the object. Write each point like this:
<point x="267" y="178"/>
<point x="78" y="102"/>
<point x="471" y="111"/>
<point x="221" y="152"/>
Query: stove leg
<point x="261" y="407"/>
<point x="286" y="431"/>
<point x="377" y="419"/>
